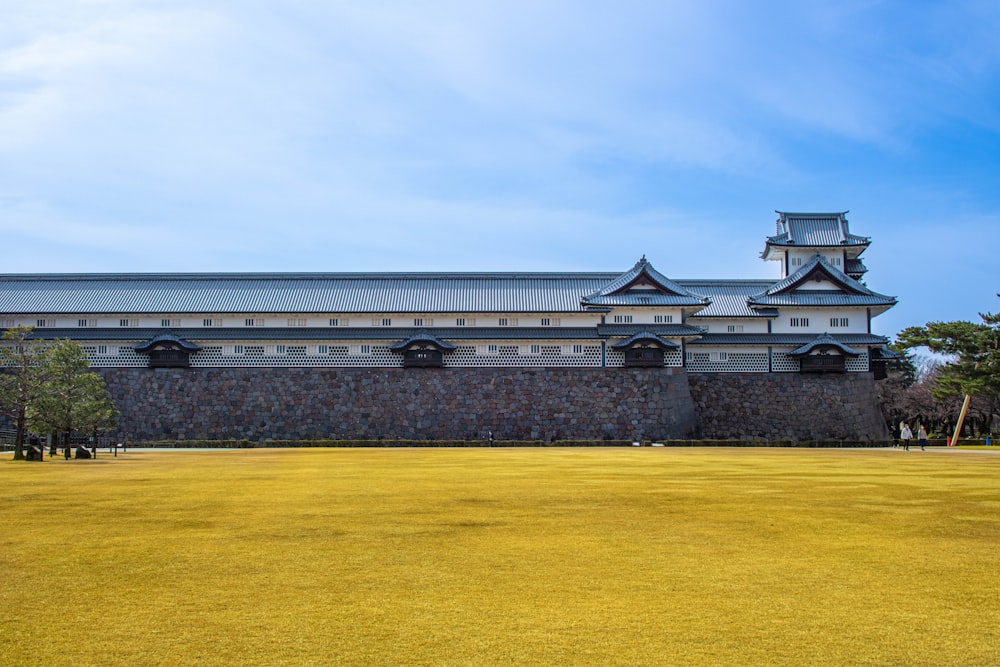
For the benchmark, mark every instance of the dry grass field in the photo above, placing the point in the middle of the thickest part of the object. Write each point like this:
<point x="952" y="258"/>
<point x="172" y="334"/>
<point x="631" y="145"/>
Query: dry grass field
<point x="502" y="556"/>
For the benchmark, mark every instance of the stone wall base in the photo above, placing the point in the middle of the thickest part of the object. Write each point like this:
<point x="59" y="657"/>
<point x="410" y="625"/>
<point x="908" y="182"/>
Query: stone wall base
<point x="788" y="406"/>
<point x="514" y="403"/>
<point x="413" y="404"/>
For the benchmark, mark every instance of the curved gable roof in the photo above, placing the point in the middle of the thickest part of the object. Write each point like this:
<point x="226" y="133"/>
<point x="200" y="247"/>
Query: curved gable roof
<point x="849" y="292"/>
<point x="642" y="285"/>
<point x="824" y="341"/>
<point x="166" y="339"/>
<point x="645" y="337"/>
<point x="422" y="338"/>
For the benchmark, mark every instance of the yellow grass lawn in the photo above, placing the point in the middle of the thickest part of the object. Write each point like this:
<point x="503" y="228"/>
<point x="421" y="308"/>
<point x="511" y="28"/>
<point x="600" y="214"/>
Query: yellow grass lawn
<point x="651" y="556"/>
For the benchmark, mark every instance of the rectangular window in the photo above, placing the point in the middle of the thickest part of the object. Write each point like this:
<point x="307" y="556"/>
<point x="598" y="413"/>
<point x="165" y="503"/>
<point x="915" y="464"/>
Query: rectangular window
<point x="338" y="321"/>
<point x="663" y="319"/>
<point x="360" y="349"/>
<point x="623" y="319"/>
<point x="546" y="321"/>
<point x="799" y="322"/>
<point x="84" y="323"/>
<point x="502" y="321"/>
<point x="418" y="321"/>
<point x="459" y="321"/>
<point x="386" y="322"/>
<point x="126" y="323"/>
<point x="102" y="349"/>
<point x="168" y="323"/>
<point x="207" y="322"/>
<point x="536" y="349"/>
<point x="297" y="321"/>
<point x="41" y="323"/>
<point x="836" y="261"/>
<point x="734" y="328"/>
<point x="250" y="322"/>
<point x="838" y="321"/>
<point x="796" y="261"/>
<point x="322" y="349"/>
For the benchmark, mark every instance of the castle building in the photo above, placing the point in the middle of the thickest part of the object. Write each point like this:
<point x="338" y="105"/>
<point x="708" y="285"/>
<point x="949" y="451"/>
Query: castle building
<point x="815" y="318"/>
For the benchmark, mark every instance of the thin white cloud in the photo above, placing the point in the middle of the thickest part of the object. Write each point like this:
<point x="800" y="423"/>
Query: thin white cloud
<point x="418" y="135"/>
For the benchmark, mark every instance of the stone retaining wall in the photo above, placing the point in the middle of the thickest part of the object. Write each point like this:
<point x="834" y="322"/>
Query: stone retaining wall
<point x="515" y="403"/>
<point x="788" y="406"/>
<point x="419" y="404"/>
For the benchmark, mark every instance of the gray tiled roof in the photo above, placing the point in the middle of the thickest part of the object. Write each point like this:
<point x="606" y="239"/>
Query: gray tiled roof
<point x="298" y="293"/>
<point x="823" y="340"/>
<point x="167" y="338"/>
<point x="386" y="293"/>
<point x="671" y="330"/>
<point x="855" y="267"/>
<point x="208" y="334"/>
<point x="786" y="339"/>
<point x="644" y="337"/>
<point x="728" y="297"/>
<point x="787" y="292"/>
<point x="813" y="230"/>
<point x="666" y="292"/>
<point x="423" y="337"/>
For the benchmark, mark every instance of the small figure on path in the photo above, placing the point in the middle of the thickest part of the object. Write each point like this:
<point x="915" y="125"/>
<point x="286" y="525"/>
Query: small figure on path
<point x="922" y="437"/>
<point x="905" y="434"/>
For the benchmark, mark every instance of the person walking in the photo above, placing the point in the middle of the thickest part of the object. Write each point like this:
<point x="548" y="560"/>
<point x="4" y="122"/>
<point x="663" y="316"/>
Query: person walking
<point x="906" y="435"/>
<point x="922" y="437"/>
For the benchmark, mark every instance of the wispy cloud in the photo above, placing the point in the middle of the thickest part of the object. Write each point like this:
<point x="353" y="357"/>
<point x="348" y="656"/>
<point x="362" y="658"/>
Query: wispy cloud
<point x="210" y="135"/>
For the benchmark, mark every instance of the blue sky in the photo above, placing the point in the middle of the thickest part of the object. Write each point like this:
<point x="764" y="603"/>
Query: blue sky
<point x="437" y="136"/>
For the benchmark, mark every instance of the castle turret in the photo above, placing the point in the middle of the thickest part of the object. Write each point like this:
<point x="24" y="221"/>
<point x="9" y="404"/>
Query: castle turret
<point x="801" y="235"/>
